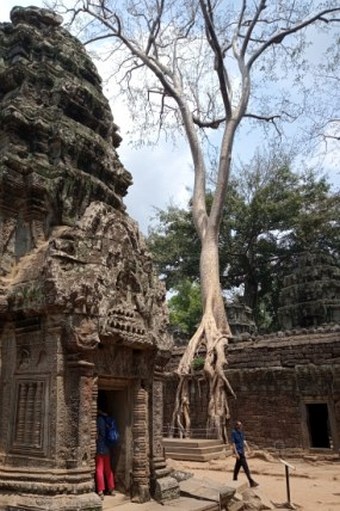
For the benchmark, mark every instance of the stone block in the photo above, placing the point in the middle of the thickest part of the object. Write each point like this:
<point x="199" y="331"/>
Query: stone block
<point x="166" y="488"/>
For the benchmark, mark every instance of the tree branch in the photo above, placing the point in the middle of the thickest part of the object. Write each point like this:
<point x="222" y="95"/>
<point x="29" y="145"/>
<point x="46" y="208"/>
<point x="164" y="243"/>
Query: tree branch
<point x="279" y="37"/>
<point x="213" y="124"/>
<point x="261" y="7"/>
<point x="270" y="118"/>
<point x="154" y="30"/>
<point x="222" y="74"/>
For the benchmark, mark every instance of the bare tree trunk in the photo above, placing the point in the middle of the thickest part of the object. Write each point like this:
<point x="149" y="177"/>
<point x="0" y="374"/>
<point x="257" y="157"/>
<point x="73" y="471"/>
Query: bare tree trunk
<point x="212" y="334"/>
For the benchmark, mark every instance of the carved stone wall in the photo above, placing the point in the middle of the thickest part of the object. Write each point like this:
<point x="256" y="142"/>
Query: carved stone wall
<point x="311" y="292"/>
<point x="276" y="378"/>
<point x="80" y="306"/>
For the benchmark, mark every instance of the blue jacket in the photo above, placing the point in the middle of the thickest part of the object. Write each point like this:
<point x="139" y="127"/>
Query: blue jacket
<point x="102" y="445"/>
<point x="237" y="438"/>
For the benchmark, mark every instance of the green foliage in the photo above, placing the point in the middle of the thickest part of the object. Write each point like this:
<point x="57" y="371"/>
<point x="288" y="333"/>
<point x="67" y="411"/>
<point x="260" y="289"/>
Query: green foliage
<point x="185" y="307"/>
<point x="276" y="214"/>
<point x="198" y="363"/>
<point x="175" y="246"/>
<point x="270" y="214"/>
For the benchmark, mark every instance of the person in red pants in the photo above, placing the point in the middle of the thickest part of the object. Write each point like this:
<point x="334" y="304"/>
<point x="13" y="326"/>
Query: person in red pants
<point x="105" y="477"/>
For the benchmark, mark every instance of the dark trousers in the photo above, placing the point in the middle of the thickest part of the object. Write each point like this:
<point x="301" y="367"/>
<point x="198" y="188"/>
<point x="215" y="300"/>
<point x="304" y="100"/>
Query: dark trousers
<point x="242" y="462"/>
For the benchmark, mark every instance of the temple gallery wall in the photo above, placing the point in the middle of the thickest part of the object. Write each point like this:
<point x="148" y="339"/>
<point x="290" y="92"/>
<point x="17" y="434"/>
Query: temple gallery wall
<point x="287" y="386"/>
<point x="287" y="383"/>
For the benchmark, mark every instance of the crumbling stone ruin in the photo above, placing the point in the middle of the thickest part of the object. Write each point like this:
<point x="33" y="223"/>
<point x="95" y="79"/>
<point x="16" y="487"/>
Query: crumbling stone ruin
<point x="81" y="312"/>
<point x="311" y="293"/>
<point x="287" y="383"/>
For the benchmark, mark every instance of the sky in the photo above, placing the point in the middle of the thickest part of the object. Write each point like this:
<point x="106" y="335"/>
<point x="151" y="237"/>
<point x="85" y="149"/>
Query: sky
<point x="162" y="174"/>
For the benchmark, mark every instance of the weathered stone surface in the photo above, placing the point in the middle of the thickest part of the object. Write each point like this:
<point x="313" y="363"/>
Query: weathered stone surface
<point x="57" y="151"/>
<point x="51" y="503"/>
<point x="311" y="293"/>
<point x="241" y="321"/>
<point x="276" y="378"/>
<point x="208" y="490"/>
<point x="100" y="274"/>
<point x="166" y="488"/>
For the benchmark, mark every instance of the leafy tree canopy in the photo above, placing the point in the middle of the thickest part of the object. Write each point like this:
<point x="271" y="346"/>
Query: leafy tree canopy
<point x="185" y="307"/>
<point x="270" y="213"/>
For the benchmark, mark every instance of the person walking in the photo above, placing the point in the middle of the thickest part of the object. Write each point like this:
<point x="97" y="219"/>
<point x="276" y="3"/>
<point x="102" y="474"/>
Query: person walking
<point x="104" y="472"/>
<point x="239" y="445"/>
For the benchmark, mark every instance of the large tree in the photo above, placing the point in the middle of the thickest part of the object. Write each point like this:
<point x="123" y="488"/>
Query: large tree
<point x="201" y="57"/>
<point x="270" y="214"/>
<point x="276" y="213"/>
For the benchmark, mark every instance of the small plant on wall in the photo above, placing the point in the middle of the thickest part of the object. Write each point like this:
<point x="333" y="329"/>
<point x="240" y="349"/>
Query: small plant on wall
<point x="198" y="363"/>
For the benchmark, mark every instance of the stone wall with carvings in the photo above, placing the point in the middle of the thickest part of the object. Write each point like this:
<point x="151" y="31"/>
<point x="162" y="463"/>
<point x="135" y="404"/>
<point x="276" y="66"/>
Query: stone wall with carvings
<point x="274" y="377"/>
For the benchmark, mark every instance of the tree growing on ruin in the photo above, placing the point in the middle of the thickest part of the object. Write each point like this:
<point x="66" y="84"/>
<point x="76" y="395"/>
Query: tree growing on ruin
<point x="202" y="67"/>
<point x="271" y="214"/>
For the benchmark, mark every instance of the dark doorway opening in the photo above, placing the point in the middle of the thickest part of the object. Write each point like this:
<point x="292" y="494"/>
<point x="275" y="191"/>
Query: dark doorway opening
<point x="319" y="426"/>
<point x="116" y="404"/>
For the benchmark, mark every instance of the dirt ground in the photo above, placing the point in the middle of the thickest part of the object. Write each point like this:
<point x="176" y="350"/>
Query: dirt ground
<point x="314" y="482"/>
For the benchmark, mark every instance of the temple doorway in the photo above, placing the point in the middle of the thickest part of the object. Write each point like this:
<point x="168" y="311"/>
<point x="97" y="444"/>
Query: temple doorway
<point x="114" y="397"/>
<point x="319" y="426"/>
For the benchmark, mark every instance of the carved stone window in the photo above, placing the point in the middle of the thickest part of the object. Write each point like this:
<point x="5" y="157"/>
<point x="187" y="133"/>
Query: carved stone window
<point x="29" y="417"/>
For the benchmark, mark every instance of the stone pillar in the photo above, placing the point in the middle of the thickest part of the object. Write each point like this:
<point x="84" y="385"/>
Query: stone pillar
<point x="80" y="411"/>
<point x="140" y="491"/>
<point x="163" y="486"/>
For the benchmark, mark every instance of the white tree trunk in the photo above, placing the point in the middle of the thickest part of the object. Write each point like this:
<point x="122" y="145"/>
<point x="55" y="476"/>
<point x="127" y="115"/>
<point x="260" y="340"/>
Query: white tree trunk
<point x="212" y="334"/>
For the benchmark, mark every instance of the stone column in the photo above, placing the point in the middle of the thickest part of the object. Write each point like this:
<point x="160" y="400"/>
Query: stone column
<point x="163" y="486"/>
<point x="81" y="418"/>
<point x="140" y="491"/>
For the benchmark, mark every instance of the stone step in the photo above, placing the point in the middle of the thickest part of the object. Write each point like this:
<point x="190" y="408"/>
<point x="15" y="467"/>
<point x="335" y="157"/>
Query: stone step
<point x="195" y="450"/>
<point x="190" y="449"/>
<point x="192" y="442"/>
<point x="193" y="457"/>
<point x="208" y="489"/>
<point x="180" y="504"/>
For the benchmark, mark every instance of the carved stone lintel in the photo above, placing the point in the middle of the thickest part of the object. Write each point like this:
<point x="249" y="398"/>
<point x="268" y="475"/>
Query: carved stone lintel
<point x="82" y="335"/>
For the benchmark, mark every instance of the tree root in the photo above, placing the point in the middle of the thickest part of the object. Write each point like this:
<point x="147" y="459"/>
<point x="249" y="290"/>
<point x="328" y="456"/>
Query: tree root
<point x="215" y="341"/>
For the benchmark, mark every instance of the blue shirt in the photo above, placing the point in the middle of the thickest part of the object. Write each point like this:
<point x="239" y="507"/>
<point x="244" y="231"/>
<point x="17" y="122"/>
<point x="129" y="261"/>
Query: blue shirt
<point x="237" y="438"/>
<point x="102" y="445"/>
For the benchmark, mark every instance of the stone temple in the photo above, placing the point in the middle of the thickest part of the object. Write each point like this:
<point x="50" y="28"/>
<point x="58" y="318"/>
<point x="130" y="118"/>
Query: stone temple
<point x="288" y="382"/>
<point x="82" y="316"/>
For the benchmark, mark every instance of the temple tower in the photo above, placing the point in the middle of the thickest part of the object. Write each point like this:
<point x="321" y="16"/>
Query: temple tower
<point x="311" y="292"/>
<point x="81" y="312"/>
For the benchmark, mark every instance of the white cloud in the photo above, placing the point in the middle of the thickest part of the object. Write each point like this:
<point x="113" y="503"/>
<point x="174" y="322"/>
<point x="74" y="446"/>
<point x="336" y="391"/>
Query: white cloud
<point x="326" y="158"/>
<point x="161" y="174"/>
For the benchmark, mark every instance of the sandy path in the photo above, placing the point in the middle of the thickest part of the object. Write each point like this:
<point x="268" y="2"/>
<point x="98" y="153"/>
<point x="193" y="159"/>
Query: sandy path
<point x="314" y="485"/>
